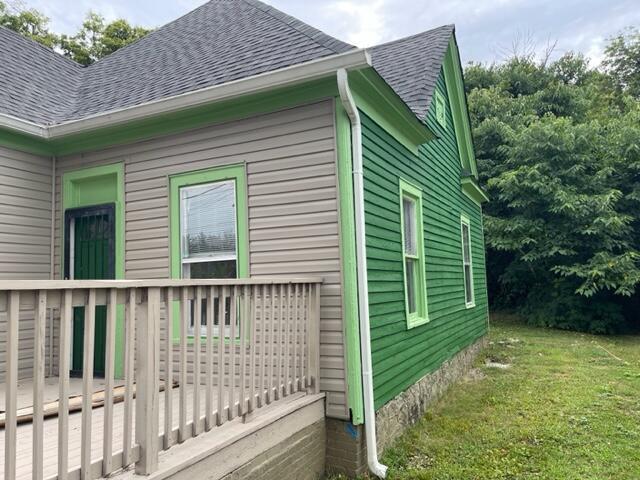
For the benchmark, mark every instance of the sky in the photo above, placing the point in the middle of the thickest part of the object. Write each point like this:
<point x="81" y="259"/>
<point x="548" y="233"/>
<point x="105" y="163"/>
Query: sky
<point x="486" y="29"/>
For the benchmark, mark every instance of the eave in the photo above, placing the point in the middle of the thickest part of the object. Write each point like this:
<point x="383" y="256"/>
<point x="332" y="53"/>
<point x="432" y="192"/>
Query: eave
<point x="56" y="138"/>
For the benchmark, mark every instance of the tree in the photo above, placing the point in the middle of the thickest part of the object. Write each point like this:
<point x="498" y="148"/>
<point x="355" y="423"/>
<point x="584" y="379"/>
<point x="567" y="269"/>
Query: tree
<point x="96" y="39"/>
<point x="30" y="23"/>
<point x="93" y="41"/>
<point x="558" y="149"/>
<point x="622" y="61"/>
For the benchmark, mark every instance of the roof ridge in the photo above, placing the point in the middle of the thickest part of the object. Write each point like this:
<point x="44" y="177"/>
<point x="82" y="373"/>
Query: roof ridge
<point x="43" y="47"/>
<point x="451" y="26"/>
<point x="296" y="23"/>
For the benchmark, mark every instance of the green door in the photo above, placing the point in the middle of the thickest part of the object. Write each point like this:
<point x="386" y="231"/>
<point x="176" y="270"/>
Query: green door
<point x="89" y="250"/>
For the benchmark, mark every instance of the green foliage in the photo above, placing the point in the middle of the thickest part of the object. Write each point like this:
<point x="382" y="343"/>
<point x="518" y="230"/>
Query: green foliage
<point x="558" y="147"/>
<point x="95" y="39"/>
<point x="30" y="23"/>
<point x="623" y="61"/>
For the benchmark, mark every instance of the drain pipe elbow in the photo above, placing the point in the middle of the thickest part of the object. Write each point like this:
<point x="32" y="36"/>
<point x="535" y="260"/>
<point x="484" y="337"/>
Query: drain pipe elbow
<point x="363" y="293"/>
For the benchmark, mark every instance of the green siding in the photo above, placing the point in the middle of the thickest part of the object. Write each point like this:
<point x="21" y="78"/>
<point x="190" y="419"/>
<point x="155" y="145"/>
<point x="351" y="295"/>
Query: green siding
<point x="400" y="355"/>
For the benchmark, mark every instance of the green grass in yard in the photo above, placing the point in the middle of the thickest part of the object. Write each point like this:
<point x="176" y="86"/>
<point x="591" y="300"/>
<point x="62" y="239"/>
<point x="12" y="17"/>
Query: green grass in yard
<point x="567" y="408"/>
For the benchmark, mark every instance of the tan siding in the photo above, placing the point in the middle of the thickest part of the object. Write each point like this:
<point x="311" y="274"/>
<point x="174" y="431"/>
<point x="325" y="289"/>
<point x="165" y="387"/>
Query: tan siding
<point x="293" y="216"/>
<point x="25" y="236"/>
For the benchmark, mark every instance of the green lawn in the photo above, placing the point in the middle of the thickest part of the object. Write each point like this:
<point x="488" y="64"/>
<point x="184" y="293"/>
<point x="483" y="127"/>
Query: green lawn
<point x="567" y="408"/>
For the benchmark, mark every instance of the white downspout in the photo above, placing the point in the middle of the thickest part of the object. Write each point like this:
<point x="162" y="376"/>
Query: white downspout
<point x="363" y="292"/>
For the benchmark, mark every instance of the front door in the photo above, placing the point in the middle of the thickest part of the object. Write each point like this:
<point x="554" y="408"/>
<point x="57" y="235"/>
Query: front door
<point x="90" y="255"/>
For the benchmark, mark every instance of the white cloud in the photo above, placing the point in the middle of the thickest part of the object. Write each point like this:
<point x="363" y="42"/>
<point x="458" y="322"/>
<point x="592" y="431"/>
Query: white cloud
<point x="366" y="24"/>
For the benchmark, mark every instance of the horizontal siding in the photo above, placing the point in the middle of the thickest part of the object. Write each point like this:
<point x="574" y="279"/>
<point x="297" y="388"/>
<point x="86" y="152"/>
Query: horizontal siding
<point x="25" y="237"/>
<point x="402" y="356"/>
<point x="290" y="162"/>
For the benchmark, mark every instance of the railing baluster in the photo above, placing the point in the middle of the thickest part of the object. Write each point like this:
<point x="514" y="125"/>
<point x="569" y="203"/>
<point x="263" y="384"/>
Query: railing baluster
<point x="148" y="382"/>
<point x="168" y="370"/>
<point x="87" y="384"/>
<point x="221" y="334"/>
<point x="303" y="334"/>
<point x="184" y="320"/>
<point x="197" y="322"/>
<point x="271" y="357"/>
<point x="287" y="343"/>
<point x="208" y="423"/>
<point x="107" y="447"/>
<point x="66" y="313"/>
<point x="313" y="339"/>
<point x="252" y="347"/>
<point x="296" y="337"/>
<point x="263" y="345"/>
<point x="279" y="347"/>
<point x="37" y="466"/>
<point x="11" y="380"/>
<point x="232" y="349"/>
<point x="129" y="334"/>
<point x="242" y="328"/>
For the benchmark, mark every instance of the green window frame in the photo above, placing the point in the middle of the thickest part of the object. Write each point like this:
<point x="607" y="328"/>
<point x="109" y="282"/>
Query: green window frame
<point x="413" y="262"/>
<point x="440" y="109"/>
<point x="235" y="173"/>
<point x="467" y="261"/>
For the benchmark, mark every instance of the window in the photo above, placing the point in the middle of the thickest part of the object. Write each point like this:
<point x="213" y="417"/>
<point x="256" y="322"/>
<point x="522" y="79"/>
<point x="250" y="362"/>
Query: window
<point x="413" y="254"/>
<point x="209" y="230"/>
<point x="467" y="262"/>
<point x="440" y="109"/>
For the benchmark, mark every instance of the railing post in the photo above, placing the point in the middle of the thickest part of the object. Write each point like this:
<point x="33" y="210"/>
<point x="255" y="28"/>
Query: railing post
<point x="148" y="382"/>
<point x="313" y="338"/>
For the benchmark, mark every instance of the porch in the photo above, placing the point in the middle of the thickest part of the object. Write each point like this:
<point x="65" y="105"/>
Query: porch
<point x="257" y="351"/>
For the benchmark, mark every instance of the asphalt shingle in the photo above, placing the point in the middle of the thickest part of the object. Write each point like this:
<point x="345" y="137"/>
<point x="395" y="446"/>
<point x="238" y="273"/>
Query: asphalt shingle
<point x="218" y="42"/>
<point x="411" y="66"/>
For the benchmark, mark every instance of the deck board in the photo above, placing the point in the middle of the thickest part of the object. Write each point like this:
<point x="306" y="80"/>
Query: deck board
<point x="25" y="431"/>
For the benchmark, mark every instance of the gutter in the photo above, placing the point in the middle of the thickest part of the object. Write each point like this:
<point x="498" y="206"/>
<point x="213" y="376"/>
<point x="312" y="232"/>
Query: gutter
<point x="303" y="72"/>
<point x="363" y="291"/>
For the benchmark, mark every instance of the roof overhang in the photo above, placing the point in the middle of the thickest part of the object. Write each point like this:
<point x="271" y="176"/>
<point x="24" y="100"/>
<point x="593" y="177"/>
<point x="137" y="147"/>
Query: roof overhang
<point x="289" y="76"/>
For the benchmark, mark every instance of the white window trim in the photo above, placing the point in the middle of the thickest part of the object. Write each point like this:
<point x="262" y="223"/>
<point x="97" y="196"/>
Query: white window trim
<point x="464" y="221"/>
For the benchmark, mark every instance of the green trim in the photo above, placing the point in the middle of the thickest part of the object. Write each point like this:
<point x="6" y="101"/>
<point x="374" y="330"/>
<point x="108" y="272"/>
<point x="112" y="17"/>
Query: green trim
<point x="24" y="143"/>
<point x="103" y="184"/>
<point x="176" y="122"/>
<point x="232" y="172"/>
<point x="441" y="114"/>
<point x="378" y="100"/>
<point x="421" y="315"/>
<point x="458" y="103"/>
<point x="464" y="220"/>
<point x="349" y="265"/>
<point x="471" y="189"/>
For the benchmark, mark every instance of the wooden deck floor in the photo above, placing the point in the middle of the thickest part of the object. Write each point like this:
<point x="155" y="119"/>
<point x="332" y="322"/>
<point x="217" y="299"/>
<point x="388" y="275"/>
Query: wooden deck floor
<point x="24" y="442"/>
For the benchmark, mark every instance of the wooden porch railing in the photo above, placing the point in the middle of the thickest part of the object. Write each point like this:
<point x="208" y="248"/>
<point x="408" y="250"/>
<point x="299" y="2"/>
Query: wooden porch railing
<point x="258" y="343"/>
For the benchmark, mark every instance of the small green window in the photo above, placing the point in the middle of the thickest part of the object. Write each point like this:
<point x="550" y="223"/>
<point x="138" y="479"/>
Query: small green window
<point x="440" y="110"/>
<point x="467" y="262"/>
<point x="415" y="290"/>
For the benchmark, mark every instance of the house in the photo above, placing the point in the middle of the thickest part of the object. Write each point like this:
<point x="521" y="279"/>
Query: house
<point x="238" y="247"/>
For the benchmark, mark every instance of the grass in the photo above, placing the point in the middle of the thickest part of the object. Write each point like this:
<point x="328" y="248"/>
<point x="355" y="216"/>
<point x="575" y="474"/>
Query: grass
<point x="567" y="408"/>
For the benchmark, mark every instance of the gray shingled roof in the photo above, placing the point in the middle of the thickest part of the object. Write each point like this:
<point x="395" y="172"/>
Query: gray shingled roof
<point x="411" y="66"/>
<point x="221" y="41"/>
<point x="36" y="84"/>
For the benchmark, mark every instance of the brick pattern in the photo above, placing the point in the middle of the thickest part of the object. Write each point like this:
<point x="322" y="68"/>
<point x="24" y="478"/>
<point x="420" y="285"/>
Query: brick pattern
<point x="346" y="444"/>
<point x="346" y="448"/>
<point x="406" y="409"/>
<point x="301" y="457"/>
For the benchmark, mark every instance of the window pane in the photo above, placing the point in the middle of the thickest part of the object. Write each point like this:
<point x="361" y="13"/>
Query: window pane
<point x="409" y="217"/>
<point x="468" y="293"/>
<point x="411" y="282"/>
<point x="208" y="220"/>
<point x="466" y="254"/>
<point x="225" y="269"/>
